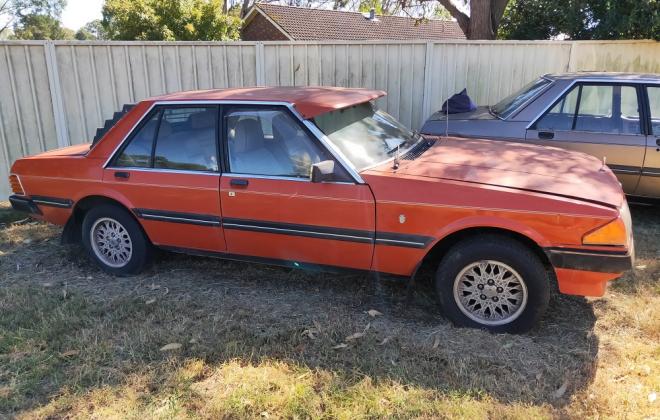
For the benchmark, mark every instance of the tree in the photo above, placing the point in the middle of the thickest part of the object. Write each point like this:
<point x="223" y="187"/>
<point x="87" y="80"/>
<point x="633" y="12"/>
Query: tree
<point x="581" y="19"/>
<point x="483" y="20"/>
<point x="91" y="30"/>
<point x="39" y="19"/>
<point x="185" y="20"/>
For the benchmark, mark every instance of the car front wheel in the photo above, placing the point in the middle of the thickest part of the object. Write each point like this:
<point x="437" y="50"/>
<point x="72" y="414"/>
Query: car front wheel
<point x="493" y="282"/>
<point x="115" y="241"/>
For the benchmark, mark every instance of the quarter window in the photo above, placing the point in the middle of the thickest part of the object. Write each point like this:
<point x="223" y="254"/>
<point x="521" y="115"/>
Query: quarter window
<point x="270" y="142"/>
<point x="137" y="153"/>
<point x="610" y="109"/>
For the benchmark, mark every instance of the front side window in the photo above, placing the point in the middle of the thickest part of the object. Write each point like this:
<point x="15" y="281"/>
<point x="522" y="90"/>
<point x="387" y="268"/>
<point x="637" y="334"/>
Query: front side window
<point x="269" y="141"/>
<point x="609" y="109"/>
<point x="365" y="135"/>
<point x="511" y="103"/>
<point x="179" y="138"/>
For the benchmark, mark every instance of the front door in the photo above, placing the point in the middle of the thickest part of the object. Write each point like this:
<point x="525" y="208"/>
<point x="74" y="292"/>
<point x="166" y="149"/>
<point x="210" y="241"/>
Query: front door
<point x="168" y="170"/>
<point x="602" y="120"/>
<point x="649" y="184"/>
<point x="271" y="209"/>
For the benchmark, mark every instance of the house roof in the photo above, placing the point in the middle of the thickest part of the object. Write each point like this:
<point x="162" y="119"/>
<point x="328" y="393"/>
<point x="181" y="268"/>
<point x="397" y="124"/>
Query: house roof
<point x="306" y="24"/>
<point x="309" y="101"/>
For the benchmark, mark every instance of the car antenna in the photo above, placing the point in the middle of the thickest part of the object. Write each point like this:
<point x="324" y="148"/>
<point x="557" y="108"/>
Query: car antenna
<point x="395" y="163"/>
<point x="447" y="120"/>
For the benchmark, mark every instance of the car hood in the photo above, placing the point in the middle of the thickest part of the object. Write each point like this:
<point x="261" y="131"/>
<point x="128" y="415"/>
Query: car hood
<point x="514" y="165"/>
<point x="481" y="113"/>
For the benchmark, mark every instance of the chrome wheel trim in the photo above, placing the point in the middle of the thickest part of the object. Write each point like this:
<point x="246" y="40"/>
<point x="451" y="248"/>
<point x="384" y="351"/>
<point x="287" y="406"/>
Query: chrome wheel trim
<point x="490" y="292"/>
<point x="111" y="242"/>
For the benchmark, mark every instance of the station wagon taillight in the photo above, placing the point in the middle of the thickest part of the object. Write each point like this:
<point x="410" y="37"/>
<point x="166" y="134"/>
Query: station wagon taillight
<point x="15" y="183"/>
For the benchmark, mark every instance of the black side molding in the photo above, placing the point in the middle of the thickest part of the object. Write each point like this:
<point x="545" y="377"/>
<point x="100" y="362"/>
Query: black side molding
<point x="587" y="260"/>
<point x="23" y="204"/>
<point x="52" y="201"/>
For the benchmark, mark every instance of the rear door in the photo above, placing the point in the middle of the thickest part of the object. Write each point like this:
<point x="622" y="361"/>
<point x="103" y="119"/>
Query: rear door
<point x="600" y="119"/>
<point x="168" y="169"/>
<point x="272" y="212"/>
<point x="649" y="184"/>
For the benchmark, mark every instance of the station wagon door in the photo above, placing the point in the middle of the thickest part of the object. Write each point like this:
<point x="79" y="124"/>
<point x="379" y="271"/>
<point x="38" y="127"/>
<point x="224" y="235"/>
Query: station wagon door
<point x="272" y="212"/>
<point x="602" y="120"/>
<point x="649" y="184"/>
<point x="168" y="170"/>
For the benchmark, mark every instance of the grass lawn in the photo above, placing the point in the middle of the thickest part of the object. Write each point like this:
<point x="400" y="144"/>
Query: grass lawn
<point x="204" y="338"/>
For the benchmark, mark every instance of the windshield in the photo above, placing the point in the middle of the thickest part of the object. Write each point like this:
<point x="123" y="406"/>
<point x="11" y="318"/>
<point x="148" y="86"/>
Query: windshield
<point x="365" y="135"/>
<point x="508" y="105"/>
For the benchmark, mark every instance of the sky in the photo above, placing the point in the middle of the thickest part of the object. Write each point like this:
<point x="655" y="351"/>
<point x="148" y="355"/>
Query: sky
<point x="78" y="12"/>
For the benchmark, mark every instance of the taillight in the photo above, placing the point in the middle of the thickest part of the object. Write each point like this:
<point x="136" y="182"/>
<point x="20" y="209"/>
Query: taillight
<point x="16" y="186"/>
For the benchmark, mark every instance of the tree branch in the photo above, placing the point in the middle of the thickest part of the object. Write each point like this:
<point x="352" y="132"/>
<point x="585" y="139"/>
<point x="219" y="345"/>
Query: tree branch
<point x="462" y="19"/>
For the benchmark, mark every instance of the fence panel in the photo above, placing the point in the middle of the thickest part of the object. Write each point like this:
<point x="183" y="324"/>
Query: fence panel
<point x="55" y="93"/>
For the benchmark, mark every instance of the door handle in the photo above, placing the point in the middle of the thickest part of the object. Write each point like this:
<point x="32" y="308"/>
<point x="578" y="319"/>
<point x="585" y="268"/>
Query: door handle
<point x="546" y="135"/>
<point x="124" y="175"/>
<point x="239" y="182"/>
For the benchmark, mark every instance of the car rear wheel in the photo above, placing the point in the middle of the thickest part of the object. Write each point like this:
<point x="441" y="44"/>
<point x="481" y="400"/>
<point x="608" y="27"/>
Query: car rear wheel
<point x="492" y="282"/>
<point x="115" y="241"/>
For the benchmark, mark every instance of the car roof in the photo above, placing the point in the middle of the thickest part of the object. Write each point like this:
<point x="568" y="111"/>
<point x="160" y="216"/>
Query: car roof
<point x="309" y="101"/>
<point x="601" y="76"/>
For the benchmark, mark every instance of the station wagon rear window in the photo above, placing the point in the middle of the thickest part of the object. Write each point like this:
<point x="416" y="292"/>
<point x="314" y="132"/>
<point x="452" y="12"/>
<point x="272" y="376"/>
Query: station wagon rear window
<point x="507" y="106"/>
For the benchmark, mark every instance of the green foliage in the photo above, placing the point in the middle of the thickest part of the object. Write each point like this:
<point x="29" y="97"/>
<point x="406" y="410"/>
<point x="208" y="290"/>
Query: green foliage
<point x="367" y="5"/>
<point x="40" y="19"/>
<point x="581" y="19"/>
<point x="92" y="30"/>
<point x="174" y="20"/>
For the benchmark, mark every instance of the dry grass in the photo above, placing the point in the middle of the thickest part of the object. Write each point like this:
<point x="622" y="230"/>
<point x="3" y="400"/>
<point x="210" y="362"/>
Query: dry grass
<point x="258" y="341"/>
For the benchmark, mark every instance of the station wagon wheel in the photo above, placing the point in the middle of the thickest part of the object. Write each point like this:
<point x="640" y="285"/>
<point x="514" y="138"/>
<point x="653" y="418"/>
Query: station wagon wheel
<point x="492" y="282"/>
<point x="115" y="240"/>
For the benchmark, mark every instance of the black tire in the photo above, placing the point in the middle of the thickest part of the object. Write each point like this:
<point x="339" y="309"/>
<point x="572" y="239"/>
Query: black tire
<point x="141" y="249"/>
<point x="502" y="252"/>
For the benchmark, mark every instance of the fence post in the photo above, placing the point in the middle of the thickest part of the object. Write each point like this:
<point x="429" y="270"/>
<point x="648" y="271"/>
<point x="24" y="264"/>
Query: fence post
<point x="56" y="95"/>
<point x="261" y="72"/>
<point x="428" y="78"/>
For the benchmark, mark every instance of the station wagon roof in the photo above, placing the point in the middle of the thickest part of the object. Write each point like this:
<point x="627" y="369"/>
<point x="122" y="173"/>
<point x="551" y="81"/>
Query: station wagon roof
<point x="605" y="76"/>
<point x="309" y="101"/>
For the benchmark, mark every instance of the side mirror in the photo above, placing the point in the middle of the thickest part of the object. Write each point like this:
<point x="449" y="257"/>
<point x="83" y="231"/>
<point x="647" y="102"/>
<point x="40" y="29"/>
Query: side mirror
<point x="323" y="171"/>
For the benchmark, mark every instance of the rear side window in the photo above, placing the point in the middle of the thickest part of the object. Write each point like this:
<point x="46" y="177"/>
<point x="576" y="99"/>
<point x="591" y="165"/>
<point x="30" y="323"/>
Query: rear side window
<point x="187" y="139"/>
<point x="178" y="138"/>
<point x="654" y="105"/>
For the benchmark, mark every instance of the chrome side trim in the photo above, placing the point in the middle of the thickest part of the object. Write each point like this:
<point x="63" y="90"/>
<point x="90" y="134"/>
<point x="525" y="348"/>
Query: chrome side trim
<point x="181" y="219"/>
<point x="380" y="241"/>
<point x="173" y="171"/>
<point x="323" y="235"/>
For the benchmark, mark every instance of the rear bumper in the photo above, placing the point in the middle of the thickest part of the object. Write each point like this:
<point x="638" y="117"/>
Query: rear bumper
<point x="586" y="272"/>
<point x="24" y="204"/>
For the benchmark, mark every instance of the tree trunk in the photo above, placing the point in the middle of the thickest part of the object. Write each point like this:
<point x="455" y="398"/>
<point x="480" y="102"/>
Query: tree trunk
<point x="485" y="16"/>
<point x="481" y="25"/>
<point x="245" y="8"/>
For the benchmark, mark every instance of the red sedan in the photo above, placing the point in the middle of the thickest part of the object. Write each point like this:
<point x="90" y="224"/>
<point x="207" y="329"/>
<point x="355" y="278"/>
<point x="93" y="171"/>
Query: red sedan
<point x="320" y="178"/>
